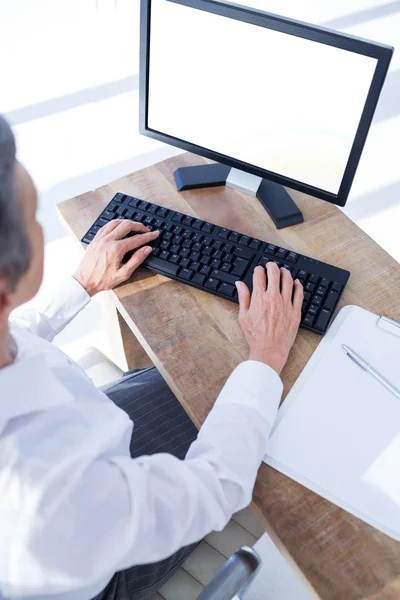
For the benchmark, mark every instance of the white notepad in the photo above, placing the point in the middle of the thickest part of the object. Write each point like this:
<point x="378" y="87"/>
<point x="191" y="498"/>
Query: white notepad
<point x="338" y="430"/>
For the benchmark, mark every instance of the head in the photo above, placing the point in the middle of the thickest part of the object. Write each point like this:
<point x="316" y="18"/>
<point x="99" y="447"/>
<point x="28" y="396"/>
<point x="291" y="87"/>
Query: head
<point x="21" y="236"/>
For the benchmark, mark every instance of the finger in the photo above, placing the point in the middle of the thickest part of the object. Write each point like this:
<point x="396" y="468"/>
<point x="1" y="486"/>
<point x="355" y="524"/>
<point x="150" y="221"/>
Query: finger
<point x="106" y="229"/>
<point x="273" y="278"/>
<point x="259" y="282"/>
<point x="298" y="295"/>
<point x="134" y="262"/>
<point x="137" y="241"/>
<point x="124" y="227"/>
<point x="244" y="298"/>
<point x="286" y="285"/>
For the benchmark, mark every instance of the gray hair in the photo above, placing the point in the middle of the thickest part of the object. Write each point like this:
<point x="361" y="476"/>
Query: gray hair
<point x="15" y="251"/>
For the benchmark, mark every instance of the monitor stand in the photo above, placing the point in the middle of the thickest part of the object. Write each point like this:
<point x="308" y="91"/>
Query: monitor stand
<point x="273" y="196"/>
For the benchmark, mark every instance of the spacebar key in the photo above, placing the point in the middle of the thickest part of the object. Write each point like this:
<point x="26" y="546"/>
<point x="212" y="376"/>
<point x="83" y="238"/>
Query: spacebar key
<point x="161" y="265"/>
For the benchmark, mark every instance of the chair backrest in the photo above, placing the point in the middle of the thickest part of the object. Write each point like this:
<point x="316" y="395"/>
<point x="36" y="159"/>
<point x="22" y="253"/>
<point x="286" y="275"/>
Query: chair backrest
<point x="235" y="577"/>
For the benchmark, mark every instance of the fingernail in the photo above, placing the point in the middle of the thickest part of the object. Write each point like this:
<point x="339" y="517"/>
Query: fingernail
<point x="147" y="251"/>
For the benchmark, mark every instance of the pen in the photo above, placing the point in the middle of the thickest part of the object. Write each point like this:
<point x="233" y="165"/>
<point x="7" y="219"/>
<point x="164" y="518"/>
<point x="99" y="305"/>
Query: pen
<point x="367" y="367"/>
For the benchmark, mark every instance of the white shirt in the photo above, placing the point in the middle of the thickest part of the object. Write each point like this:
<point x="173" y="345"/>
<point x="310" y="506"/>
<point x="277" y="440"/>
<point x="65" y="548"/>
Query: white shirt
<point x="74" y="507"/>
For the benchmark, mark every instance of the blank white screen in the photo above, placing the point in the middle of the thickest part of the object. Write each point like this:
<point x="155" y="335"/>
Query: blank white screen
<point x="273" y="100"/>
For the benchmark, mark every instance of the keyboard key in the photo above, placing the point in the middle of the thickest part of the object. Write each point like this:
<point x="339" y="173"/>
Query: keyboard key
<point x="139" y="217"/>
<point x="234" y="237"/>
<point x="167" y="236"/>
<point x="245" y="240"/>
<point x="205" y="271"/>
<point x="163" y="212"/>
<point x="174" y="258"/>
<point x="88" y="238"/>
<point x="320" y="291"/>
<point x="175" y="248"/>
<point x="177" y="239"/>
<point x="178" y="217"/>
<point x="217" y="244"/>
<point x="212" y="284"/>
<point x="227" y="289"/>
<point x="336" y="287"/>
<point x="199" y="279"/>
<point x="155" y="251"/>
<point x="197" y="224"/>
<point x="198" y="238"/>
<point x="331" y="300"/>
<point x="148" y="221"/>
<point x="101" y="222"/>
<point x="120" y="211"/>
<point x="226" y="267"/>
<point x="317" y="300"/>
<point x="221" y="276"/>
<point x="217" y="254"/>
<point x="143" y="205"/>
<point x="240" y="267"/>
<point x="228" y="258"/>
<point x="307" y="296"/>
<point x="167" y="226"/>
<point x="263" y="261"/>
<point x="130" y="214"/>
<point x="255" y="244"/>
<point x="197" y="247"/>
<point x="165" y="245"/>
<point x="323" y="319"/>
<point x="187" y="234"/>
<point x="188" y="221"/>
<point x="313" y="279"/>
<point x="281" y="253"/>
<point x="313" y="310"/>
<point x="185" y="262"/>
<point x="288" y="267"/>
<point x="184" y="252"/>
<point x="207" y="227"/>
<point x="165" y="255"/>
<point x="177" y="230"/>
<point x="186" y="274"/>
<point x="278" y="263"/>
<point x="134" y="202"/>
<point x="205" y="260"/>
<point x="119" y="197"/>
<point x="195" y="266"/>
<point x="325" y="282"/>
<point x="292" y="257"/>
<point x="152" y="209"/>
<point x="195" y="256"/>
<point x="208" y="240"/>
<point x="308" y="320"/>
<point x="243" y="252"/>
<point x="223" y="233"/>
<point x="302" y="275"/>
<point x="187" y="243"/>
<point x="271" y="249"/>
<point x="107" y="214"/>
<point x="161" y="265"/>
<point x="309" y="287"/>
<point x="215" y="263"/>
<point x="207" y="250"/>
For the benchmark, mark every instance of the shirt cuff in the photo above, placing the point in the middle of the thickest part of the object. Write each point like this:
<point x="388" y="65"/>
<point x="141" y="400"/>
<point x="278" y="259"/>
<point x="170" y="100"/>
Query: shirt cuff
<point x="254" y="384"/>
<point x="63" y="304"/>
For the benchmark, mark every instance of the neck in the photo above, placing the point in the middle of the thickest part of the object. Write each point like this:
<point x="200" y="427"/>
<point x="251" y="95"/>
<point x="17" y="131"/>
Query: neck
<point x="8" y="348"/>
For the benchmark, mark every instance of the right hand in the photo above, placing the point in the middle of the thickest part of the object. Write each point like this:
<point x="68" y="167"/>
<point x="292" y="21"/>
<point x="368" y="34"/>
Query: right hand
<point x="270" y="316"/>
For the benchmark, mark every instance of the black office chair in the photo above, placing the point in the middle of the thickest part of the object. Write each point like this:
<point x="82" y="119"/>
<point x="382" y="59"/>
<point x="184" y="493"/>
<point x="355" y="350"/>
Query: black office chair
<point x="235" y="577"/>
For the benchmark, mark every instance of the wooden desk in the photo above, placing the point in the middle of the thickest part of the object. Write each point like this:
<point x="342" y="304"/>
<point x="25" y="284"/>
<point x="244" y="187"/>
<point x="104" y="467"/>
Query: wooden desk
<point x="194" y="340"/>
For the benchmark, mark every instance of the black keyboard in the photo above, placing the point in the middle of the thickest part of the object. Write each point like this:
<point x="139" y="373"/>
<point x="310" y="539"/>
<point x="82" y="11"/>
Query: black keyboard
<point x="212" y="258"/>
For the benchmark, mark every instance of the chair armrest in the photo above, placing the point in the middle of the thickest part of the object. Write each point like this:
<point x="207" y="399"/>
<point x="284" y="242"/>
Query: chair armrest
<point x="235" y="577"/>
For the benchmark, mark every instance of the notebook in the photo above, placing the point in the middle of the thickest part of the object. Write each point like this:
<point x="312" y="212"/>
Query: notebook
<point x="338" y="430"/>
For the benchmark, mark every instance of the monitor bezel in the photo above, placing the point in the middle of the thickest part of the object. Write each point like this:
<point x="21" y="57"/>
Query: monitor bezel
<point x="315" y="33"/>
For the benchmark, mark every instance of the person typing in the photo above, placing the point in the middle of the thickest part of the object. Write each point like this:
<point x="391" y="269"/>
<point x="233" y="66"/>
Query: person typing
<point x="104" y="494"/>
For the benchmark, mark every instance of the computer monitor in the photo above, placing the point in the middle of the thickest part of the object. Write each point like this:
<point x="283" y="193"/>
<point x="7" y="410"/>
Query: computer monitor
<point x="272" y="100"/>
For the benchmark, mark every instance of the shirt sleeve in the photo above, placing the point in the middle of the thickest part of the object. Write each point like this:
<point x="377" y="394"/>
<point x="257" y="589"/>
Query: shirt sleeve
<point x="121" y="512"/>
<point x="51" y="312"/>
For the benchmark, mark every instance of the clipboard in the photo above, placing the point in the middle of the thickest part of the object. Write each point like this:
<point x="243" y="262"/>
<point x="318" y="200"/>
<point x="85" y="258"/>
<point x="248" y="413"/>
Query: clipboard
<point x="338" y="431"/>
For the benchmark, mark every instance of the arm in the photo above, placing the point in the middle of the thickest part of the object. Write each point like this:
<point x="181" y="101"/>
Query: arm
<point x="101" y="269"/>
<point x="112" y="512"/>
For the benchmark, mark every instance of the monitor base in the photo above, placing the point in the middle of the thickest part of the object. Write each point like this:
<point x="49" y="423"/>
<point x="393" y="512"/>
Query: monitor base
<point x="273" y="196"/>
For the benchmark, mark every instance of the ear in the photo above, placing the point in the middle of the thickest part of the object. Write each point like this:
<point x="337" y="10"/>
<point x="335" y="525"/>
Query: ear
<point x="5" y="302"/>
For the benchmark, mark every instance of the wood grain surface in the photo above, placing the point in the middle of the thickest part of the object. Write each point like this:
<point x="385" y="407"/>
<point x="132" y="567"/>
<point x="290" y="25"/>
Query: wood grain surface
<point x="194" y="340"/>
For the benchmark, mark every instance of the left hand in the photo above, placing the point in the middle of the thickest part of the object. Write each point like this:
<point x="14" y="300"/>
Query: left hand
<point x="101" y="267"/>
